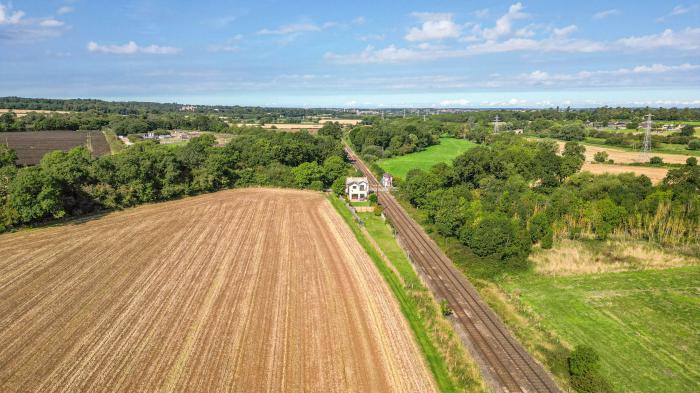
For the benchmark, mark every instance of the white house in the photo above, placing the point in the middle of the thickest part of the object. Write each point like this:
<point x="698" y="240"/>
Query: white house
<point x="356" y="188"/>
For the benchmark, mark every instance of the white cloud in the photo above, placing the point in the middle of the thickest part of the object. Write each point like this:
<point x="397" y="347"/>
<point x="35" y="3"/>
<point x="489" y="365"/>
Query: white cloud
<point x="435" y="26"/>
<point x="65" y="10"/>
<point x="360" y="20"/>
<point x="678" y="10"/>
<point x="372" y="37"/>
<point x="291" y="29"/>
<point x="9" y="17"/>
<point x="369" y="55"/>
<point x="51" y="23"/>
<point x="564" y="31"/>
<point x="483" y="13"/>
<point x="132" y="48"/>
<point x="504" y="24"/>
<point x="688" y="39"/>
<point x="230" y="45"/>
<point x="454" y="103"/>
<point x="602" y="77"/>
<point x="606" y="13"/>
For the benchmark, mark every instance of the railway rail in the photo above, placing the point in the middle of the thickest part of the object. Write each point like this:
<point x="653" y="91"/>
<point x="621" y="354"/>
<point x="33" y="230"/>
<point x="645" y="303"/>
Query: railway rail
<point x="505" y="364"/>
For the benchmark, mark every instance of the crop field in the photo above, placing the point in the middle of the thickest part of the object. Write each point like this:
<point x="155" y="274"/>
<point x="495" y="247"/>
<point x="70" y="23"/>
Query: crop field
<point x="655" y="174"/>
<point x="31" y="146"/>
<point x="24" y="112"/>
<point x="240" y="290"/>
<point x="445" y="151"/>
<point x="626" y="156"/>
<point x="643" y="324"/>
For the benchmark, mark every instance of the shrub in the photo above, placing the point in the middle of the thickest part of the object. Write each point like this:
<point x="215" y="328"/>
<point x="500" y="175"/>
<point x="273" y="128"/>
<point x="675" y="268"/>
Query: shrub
<point x="378" y="210"/>
<point x="688" y="130"/>
<point x="656" y="160"/>
<point x="338" y="186"/>
<point x="445" y="308"/>
<point x="373" y="199"/>
<point x="584" y="375"/>
<point x="600" y="156"/>
<point x="694" y="144"/>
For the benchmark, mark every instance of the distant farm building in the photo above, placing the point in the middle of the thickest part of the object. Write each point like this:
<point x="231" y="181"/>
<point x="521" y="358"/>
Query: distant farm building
<point x="357" y="188"/>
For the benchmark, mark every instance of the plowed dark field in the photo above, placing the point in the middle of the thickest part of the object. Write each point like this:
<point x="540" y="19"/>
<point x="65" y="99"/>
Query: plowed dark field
<point x="31" y="146"/>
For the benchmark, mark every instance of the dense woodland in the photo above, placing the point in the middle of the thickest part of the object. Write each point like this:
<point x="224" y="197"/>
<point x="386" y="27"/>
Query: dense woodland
<point x="508" y="194"/>
<point x="73" y="183"/>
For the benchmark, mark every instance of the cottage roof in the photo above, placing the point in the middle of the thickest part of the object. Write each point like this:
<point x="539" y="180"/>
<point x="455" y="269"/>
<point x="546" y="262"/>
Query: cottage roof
<point x="351" y="180"/>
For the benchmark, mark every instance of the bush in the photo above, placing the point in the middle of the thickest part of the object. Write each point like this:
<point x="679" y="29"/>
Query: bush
<point x="688" y="130"/>
<point x="600" y="156"/>
<point x="694" y="144"/>
<point x="378" y="210"/>
<point x="584" y="375"/>
<point x="373" y="199"/>
<point x="656" y="160"/>
<point x="445" y="308"/>
<point x="338" y="186"/>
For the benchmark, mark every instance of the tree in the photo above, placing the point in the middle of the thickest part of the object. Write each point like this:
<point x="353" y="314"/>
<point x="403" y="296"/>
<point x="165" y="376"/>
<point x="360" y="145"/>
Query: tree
<point x="307" y="173"/>
<point x="656" y="160"/>
<point x="338" y="185"/>
<point x="632" y="125"/>
<point x="34" y="196"/>
<point x="7" y="156"/>
<point x="495" y="233"/>
<point x="333" y="168"/>
<point x="332" y="129"/>
<point x="687" y="130"/>
<point x="694" y="144"/>
<point x="600" y="156"/>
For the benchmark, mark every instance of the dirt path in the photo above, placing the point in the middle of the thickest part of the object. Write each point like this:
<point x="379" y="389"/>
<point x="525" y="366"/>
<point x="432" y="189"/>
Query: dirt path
<point x="247" y="290"/>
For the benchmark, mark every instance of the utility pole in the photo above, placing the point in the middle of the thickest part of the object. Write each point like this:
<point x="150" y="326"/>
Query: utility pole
<point x="646" y="145"/>
<point x="495" y="125"/>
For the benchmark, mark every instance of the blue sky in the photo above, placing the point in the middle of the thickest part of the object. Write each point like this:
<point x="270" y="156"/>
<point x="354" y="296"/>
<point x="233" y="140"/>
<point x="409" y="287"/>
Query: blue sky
<point x="355" y="53"/>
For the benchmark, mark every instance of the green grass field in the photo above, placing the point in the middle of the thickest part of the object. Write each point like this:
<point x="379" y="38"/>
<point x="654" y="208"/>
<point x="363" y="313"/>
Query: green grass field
<point x="643" y="324"/>
<point x="445" y="151"/>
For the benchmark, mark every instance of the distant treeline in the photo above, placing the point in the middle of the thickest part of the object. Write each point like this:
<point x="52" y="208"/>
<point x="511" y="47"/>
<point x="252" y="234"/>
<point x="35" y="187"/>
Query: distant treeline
<point x="73" y="183"/>
<point x="502" y="197"/>
<point x="254" y="113"/>
<point x="603" y="114"/>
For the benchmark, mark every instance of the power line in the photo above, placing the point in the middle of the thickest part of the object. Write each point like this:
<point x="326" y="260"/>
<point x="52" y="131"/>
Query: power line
<point x="646" y="145"/>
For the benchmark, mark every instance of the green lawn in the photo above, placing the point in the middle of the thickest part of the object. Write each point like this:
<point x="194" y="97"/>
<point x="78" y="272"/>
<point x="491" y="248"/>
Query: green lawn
<point x="643" y="324"/>
<point x="445" y="151"/>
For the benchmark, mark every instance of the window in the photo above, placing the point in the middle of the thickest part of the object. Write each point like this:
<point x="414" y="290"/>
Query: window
<point x="362" y="187"/>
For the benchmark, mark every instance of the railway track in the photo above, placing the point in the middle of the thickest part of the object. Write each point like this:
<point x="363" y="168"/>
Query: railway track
<point x="504" y="362"/>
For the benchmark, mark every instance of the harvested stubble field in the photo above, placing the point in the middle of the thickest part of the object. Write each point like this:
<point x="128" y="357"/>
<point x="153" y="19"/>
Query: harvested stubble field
<point x="31" y="146"/>
<point x="627" y="157"/>
<point x="242" y="290"/>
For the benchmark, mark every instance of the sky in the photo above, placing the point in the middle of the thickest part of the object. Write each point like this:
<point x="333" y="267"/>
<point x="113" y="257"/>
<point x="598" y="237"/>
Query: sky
<point x="474" y="54"/>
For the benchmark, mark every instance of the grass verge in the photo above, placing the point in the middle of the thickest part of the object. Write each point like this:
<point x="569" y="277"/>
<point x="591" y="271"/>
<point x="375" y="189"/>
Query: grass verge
<point x="453" y="370"/>
<point x="115" y="145"/>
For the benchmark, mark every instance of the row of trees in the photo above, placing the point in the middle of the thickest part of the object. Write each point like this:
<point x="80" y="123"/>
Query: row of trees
<point x="120" y="124"/>
<point x="74" y="183"/>
<point x="602" y="115"/>
<point x="254" y="113"/>
<point x="501" y="198"/>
